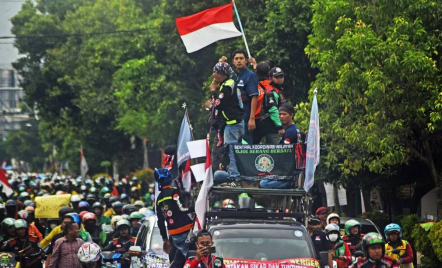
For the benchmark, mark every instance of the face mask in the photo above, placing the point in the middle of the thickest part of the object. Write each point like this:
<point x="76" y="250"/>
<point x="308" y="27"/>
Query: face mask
<point x="52" y="226"/>
<point x="333" y="237"/>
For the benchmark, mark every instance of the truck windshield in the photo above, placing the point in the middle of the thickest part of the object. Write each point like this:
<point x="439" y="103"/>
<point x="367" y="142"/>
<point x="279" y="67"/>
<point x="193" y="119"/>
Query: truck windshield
<point x="260" y="244"/>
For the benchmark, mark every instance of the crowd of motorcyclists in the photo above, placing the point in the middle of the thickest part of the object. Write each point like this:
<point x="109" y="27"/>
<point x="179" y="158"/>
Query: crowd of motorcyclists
<point x="106" y="216"/>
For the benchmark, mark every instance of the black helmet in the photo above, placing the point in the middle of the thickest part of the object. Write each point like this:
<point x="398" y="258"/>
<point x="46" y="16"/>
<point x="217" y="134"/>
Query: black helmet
<point x="10" y="203"/>
<point x="98" y="205"/>
<point x="114" y="199"/>
<point x="128" y="209"/>
<point x="64" y="210"/>
<point x="117" y="204"/>
<point x="91" y="197"/>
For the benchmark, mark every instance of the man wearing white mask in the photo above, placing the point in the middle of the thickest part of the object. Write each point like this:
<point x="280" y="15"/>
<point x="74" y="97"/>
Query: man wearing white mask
<point x="340" y="254"/>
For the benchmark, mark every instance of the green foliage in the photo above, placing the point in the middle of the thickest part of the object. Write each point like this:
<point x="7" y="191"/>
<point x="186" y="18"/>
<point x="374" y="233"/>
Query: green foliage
<point x="435" y="236"/>
<point x="25" y="145"/>
<point x="106" y="164"/>
<point x="423" y="244"/>
<point x="408" y="224"/>
<point x="144" y="175"/>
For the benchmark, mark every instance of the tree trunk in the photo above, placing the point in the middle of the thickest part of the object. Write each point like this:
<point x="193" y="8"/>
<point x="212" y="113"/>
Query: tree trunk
<point x="115" y="170"/>
<point x="145" y="154"/>
<point x="336" y="198"/>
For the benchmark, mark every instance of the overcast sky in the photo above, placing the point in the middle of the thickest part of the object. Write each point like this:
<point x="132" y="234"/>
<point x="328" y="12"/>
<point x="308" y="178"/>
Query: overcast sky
<point x="8" y="53"/>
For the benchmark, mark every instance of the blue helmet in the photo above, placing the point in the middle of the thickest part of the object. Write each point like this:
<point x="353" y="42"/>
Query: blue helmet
<point x="393" y="228"/>
<point x="123" y="196"/>
<point x="75" y="217"/>
<point x="83" y="204"/>
<point x="162" y="177"/>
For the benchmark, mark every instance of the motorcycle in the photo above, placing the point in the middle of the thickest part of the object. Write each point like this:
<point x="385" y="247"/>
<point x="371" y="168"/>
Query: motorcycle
<point x="7" y="260"/>
<point x="112" y="259"/>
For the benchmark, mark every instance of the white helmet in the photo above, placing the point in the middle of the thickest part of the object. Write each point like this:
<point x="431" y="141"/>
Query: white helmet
<point x="89" y="252"/>
<point x="114" y="220"/>
<point x="75" y="198"/>
<point x="333" y="215"/>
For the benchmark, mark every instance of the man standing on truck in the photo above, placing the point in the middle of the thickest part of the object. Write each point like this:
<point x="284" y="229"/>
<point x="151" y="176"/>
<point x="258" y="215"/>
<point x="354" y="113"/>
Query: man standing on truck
<point x="170" y="209"/>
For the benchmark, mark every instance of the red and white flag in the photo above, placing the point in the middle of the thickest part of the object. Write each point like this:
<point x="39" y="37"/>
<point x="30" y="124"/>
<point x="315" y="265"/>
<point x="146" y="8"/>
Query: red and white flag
<point x="83" y="164"/>
<point x="201" y="201"/>
<point x="187" y="176"/>
<point x="7" y="189"/>
<point x="206" y="27"/>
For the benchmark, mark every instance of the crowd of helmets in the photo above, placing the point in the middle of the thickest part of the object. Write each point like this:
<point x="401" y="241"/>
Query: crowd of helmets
<point x="101" y="201"/>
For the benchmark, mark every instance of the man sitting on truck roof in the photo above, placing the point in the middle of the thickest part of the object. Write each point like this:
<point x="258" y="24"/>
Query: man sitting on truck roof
<point x="286" y="113"/>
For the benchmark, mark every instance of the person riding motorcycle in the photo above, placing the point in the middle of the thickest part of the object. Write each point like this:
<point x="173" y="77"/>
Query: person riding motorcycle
<point x="90" y="225"/>
<point x="75" y="201"/>
<point x="122" y="243"/>
<point x="8" y="231"/>
<point x="33" y="231"/>
<point x="373" y="247"/>
<point x="135" y="218"/>
<point x="63" y="211"/>
<point x="83" y="206"/>
<point x="110" y="211"/>
<point x="342" y="254"/>
<point x="25" y="246"/>
<point x="11" y="209"/>
<point x="353" y="235"/>
<point x="333" y="218"/>
<point x="89" y="255"/>
<point x="393" y="234"/>
<point x="98" y="210"/>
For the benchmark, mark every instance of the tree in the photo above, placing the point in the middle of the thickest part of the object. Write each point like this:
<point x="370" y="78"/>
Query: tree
<point x="379" y="84"/>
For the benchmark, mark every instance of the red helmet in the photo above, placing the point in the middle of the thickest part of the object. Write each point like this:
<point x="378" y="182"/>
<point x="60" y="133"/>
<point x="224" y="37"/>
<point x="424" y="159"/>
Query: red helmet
<point x="89" y="217"/>
<point x="83" y="213"/>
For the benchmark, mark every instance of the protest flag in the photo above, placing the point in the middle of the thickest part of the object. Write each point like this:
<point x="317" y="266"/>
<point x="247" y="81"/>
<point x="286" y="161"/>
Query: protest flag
<point x="83" y="164"/>
<point x="206" y="27"/>
<point x="7" y="189"/>
<point x="201" y="201"/>
<point x="184" y="136"/>
<point x="312" y="155"/>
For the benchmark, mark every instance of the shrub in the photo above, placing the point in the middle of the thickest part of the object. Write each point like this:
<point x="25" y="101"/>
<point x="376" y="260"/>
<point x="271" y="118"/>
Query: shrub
<point x="435" y="236"/>
<point x="423" y="244"/>
<point x="144" y="175"/>
<point x="408" y="223"/>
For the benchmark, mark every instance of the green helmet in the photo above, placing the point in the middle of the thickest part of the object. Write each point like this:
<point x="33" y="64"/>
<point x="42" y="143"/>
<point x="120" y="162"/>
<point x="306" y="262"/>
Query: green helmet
<point x="93" y="190"/>
<point x="20" y="224"/>
<point x="217" y="204"/>
<point x="372" y="239"/>
<point x="122" y="223"/>
<point x="243" y="195"/>
<point x="147" y="197"/>
<point x="8" y="222"/>
<point x="104" y="191"/>
<point x="350" y="224"/>
<point x="136" y="215"/>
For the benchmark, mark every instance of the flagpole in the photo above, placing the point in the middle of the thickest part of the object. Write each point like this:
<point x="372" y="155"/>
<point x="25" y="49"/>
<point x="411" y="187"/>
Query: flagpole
<point x="188" y="120"/>
<point x="242" y="30"/>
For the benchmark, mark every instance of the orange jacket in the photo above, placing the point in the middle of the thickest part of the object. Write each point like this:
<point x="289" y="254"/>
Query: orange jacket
<point x="35" y="232"/>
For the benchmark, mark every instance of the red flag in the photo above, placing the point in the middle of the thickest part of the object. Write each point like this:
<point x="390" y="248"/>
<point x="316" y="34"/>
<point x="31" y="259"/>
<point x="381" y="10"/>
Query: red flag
<point x="206" y="27"/>
<point x="7" y="189"/>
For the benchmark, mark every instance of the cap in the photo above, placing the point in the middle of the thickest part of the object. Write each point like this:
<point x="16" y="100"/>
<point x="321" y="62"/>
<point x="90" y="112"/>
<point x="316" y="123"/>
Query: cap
<point x="276" y="71"/>
<point x="321" y="210"/>
<point x="313" y="221"/>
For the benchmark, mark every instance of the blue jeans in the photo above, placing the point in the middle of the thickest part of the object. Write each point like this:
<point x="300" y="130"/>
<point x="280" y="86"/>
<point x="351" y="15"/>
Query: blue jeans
<point x="232" y="136"/>
<point x="221" y="177"/>
<point x="273" y="184"/>
<point x="182" y="248"/>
